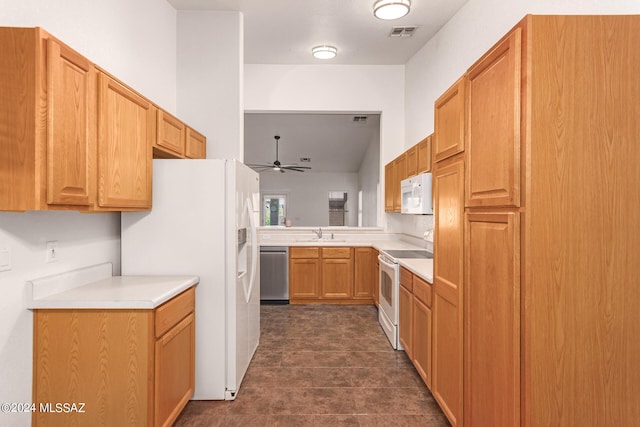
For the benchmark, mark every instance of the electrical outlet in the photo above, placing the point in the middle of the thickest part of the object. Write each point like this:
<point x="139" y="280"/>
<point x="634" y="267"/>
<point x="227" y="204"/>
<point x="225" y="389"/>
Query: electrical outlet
<point x="52" y="251"/>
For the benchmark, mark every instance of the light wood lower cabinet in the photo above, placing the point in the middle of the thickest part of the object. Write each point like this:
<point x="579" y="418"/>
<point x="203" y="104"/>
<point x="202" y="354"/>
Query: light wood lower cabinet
<point x="127" y="366"/>
<point x="334" y="275"/>
<point x="416" y="322"/>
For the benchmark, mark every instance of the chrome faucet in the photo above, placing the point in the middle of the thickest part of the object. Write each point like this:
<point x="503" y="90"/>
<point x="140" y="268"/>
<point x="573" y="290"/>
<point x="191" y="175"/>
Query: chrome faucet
<point x="319" y="232"/>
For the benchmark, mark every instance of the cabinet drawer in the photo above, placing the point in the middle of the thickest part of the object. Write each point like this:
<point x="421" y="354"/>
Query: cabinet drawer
<point x="174" y="310"/>
<point x="406" y="278"/>
<point x="343" y="253"/>
<point x="304" y="252"/>
<point x="422" y="290"/>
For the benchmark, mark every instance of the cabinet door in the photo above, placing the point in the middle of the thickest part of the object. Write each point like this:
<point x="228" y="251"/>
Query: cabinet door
<point x="493" y="126"/>
<point x="126" y="132"/>
<point x="424" y="155"/>
<point x="405" y="321"/>
<point x="364" y="276"/>
<point x="196" y="145"/>
<point x="337" y="278"/>
<point x="304" y="278"/>
<point x="447" y="287"/>
<point x="422" y="340"/>
<point x="170" y="137"/>
<point x="71" y="126"/>
<point x="376" y="280"/>
<point x="174" y="371"/>
<point x="492" y="320"/>
<point x="412" y="161"/>
<point x="389" y="185"/>
<point x="448" y="136"/>
<point x="401" y="173"/>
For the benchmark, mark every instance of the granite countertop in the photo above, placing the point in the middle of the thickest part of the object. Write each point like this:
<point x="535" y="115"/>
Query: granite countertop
<point x="116" y="292"/>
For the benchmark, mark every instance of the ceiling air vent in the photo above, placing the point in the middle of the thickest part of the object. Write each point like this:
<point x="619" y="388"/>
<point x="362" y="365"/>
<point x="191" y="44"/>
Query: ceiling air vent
<point x="305" y="159"/>
<point x="402" y="31"/>
<point x="359" y="119"/>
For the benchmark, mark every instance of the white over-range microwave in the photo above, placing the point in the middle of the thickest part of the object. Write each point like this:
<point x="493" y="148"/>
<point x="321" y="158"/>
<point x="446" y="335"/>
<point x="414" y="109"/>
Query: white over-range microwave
<point x="416" y="195"/>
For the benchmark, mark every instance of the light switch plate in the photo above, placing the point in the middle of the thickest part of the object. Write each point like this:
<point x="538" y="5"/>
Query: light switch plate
<point x="52" y="251"/>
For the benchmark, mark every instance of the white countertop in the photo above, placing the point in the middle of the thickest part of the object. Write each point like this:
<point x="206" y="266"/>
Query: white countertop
<point x="116" y="292"/>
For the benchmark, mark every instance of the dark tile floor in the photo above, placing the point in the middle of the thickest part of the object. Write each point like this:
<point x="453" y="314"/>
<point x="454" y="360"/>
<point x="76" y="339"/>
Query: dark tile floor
<point x="323" y="365"/>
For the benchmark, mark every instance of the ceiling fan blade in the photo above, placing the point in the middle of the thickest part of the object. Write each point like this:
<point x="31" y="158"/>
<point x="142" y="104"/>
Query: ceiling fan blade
<point x="293" y="169"/>
<point x="295" y="166"/>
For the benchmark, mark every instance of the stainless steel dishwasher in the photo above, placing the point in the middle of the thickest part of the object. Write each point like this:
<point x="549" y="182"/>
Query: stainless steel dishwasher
<point x="274" y="275"/>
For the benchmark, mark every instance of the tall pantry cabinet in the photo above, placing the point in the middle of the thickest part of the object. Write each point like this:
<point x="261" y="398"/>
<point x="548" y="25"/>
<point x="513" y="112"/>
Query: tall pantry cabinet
<point x="552" y="208"/>
<point x="448" y="183"/>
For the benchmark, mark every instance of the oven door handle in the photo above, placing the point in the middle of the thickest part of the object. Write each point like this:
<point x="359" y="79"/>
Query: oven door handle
<point x="383" y="260"/>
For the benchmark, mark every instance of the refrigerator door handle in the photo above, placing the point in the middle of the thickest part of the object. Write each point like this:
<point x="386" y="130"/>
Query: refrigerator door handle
<point x="254" y="248"/>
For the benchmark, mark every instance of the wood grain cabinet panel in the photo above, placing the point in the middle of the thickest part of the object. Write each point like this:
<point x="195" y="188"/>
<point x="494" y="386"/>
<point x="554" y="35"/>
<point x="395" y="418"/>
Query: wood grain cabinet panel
<point x="405" y="322"/>
<point x="304" y="278"/>
<point x="126" y="133"/>
<point x="337" y="278"/>
<point x="492" y="319"/>
<point x="196" y="145"/>
<point x="448" y="277"/>
<point x="424" y="155"/>
<point x="448" y="136"/>
<point x="493" y="126"/>
<point x="111" y="360"/>
<point x="170" y="136"/>
<point x="401" y="173"/>
<point x="389" y="185"/>
<point x="422" y="346"/>
<point x="47" y="111"/>
<point x="412" y="161"/>
<point x="365" y="277"/>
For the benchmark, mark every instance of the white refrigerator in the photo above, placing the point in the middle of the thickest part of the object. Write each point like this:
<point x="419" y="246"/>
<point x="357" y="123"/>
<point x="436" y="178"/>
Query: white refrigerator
<point x="203" y="222"/>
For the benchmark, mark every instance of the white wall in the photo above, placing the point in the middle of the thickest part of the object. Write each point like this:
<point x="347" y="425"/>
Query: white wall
<point x="308" y="195"/>
<point x="338" y="88"/>
<point x="210" y="69"/>
<point x="134" y="40"/>
<point x="466" y="37"/>
<point x="369" y="183"/>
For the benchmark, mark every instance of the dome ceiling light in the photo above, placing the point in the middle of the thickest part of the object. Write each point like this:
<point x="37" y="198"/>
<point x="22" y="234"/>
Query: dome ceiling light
<point x="391" y="9"/>
<point x="324" y="52"/>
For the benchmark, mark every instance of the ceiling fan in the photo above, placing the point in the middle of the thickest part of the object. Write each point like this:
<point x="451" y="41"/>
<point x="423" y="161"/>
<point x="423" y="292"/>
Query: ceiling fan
<point x="277" y="166"/>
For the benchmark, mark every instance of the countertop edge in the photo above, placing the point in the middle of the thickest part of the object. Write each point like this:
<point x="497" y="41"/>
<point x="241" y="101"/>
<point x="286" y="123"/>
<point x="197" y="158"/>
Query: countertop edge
<point x="57" y="301"/>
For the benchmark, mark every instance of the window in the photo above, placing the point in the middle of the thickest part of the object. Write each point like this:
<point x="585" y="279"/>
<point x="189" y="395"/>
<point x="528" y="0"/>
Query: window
<point x="338" y="208"/>
<point x="274" y="210"/>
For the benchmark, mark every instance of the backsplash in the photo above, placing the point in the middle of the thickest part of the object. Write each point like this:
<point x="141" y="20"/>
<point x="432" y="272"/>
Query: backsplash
<point x="412" y="226"/>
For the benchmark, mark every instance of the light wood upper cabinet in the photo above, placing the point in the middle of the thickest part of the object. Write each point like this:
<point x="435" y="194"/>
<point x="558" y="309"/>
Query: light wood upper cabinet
<point x="126" y="133"/>
<point x="412" y="161"/>
<point x="196" y="145"/>
<point x="424" y="155"/>
<point x="389" y="185"/>
<point x="492" y="319"/>
<point x="448" y="179"/>
<point x="171" y="136"/>
<point x="493" y="126"/>
<point x="448" y="136"/>
<point x="401" y="173"/>
<point x="47" y="111"/>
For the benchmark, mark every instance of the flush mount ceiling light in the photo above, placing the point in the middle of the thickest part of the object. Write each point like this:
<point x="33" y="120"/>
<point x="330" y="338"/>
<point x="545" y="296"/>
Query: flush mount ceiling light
<point x="324" y="52"/>
<point x="391" y="9"/>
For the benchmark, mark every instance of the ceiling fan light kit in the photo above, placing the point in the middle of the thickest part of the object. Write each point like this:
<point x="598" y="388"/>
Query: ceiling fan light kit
<point x="277" y="166"/>
<point x="391" y="9"/>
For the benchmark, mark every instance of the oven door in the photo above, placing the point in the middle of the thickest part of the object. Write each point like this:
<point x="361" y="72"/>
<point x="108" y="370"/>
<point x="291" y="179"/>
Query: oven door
<point x="388" y="313"/>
